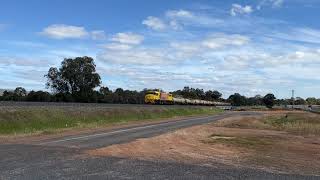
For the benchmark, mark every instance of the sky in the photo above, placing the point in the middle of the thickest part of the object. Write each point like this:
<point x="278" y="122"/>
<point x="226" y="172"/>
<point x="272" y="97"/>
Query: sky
<point x="246" y="46"/>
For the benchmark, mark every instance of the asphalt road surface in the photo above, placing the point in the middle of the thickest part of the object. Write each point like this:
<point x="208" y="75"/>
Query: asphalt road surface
<point x="63" y="158"/>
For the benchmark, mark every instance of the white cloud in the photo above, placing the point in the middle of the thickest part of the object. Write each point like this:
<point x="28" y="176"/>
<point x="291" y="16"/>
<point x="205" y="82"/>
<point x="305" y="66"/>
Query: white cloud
<point x="128" y="38"/>
<point x="305" y="34"/>
<point x="277" y="3"/>
<point x="28" y="44"/>
<point x="117" y="46"/>
<point x="24" y="62"/>
<point x="135" y="56"/>
<point x="62" y="31"/>
<point x="98" y="35"/>
<point x="221" y="40"/>
<point x="177" y="19"/>
<point x="186" y="47"/>
<point x="175" y="25"/>
<point x="272" y="3"/>
<point x="177" y="52"/>
<point x="65" y="53"/>
<point x="154" y="23"/>
<point x="238" y="9"/>
<point x="179" y="14"/>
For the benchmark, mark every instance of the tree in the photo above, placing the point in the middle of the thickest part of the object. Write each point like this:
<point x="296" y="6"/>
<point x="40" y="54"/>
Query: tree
<point x="311" y="101"/>
<point x="212" y="95"/>
<point x="216" y="95"/>
<point x="8" y="96"/>
<point x="268" y="100"/>
<point x="20" y="92"/>
<point x="104" y="91"/>
<point x="39" y="96"/>
<point x="105" y="95"/>
<point x="237" y="100"/>
<point x="76" y="76"/>
<point x="299" y="101"/>
<point x="255" y="101"/>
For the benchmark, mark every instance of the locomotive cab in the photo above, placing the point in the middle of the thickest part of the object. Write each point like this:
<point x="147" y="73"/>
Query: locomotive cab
<point x="152" y="97"/>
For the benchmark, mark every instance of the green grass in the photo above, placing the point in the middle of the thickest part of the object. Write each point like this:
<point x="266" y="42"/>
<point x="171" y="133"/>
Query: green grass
<point x="298" y="123"/>
<point x="47" y="120"/>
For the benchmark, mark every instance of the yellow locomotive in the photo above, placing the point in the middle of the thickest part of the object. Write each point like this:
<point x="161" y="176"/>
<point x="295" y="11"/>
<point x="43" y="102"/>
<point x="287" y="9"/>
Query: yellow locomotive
<point x="158" y="97"/>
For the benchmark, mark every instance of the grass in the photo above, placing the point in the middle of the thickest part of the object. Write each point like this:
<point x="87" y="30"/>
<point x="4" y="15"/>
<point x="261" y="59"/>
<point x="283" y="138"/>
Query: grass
<point x="297" y="123"/>
<point x="46" y="120"/>
<point x="300" y="123"/>
<point x="240" y="141"/>
<point x="258" y="145"/>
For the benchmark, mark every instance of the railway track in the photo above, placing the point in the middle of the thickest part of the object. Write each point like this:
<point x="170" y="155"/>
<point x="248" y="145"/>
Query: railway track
<point x="13" y="104"/>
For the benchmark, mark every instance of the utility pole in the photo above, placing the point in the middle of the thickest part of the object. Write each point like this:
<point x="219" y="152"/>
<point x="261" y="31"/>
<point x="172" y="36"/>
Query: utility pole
<point x="292" y="98"/>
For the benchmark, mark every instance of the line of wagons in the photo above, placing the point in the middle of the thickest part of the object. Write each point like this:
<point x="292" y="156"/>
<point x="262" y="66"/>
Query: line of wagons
<point x="158" y="97"/>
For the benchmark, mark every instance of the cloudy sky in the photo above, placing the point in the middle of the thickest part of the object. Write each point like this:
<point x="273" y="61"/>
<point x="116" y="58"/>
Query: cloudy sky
<point x="246" y="46"/>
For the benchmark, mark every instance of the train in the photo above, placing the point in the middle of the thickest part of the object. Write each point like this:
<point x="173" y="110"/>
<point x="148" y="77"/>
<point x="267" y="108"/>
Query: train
<point x="159" y="97"/>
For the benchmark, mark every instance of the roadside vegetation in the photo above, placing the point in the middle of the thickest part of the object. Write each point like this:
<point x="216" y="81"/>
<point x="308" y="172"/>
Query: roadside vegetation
<point x="287" y="141"/>
<point x="37" y="120"/>
<point x="297" y="123"/>
<point x="300" y="123"/>
<point x="241" y="141"/>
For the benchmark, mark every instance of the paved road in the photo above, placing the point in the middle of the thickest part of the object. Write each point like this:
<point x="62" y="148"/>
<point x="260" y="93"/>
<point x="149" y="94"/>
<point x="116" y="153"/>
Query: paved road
<point x="102" y="139"/>
<point x="62" y="158"/>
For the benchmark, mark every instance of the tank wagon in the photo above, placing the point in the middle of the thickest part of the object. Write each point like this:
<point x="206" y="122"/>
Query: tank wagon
<point x="158" y="97"/>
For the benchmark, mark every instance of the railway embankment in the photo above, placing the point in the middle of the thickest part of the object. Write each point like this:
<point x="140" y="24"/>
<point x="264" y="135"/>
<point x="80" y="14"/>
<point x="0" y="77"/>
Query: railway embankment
<point x="35" y="118"/>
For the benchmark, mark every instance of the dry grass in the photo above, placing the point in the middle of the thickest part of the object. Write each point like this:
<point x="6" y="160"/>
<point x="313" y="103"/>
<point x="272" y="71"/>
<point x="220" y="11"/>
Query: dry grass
<point x="299" y="123"/>
<point x="295" y="149"/>
<point x="241" y="141"/>
<point x="49" y="120"/>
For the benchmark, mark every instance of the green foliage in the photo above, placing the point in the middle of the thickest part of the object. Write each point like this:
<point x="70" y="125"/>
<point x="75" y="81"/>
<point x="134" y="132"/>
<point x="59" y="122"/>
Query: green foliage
<point x="19" y="94"/>
<point x="76" y="76"/>
<point x="269" y="100"/>
<point x="196" y="93"/>
<point x="312" y="101"/>
<point x="39" y="96"/>
<point x="237" y="100"/>
<point x="299" y="101"/>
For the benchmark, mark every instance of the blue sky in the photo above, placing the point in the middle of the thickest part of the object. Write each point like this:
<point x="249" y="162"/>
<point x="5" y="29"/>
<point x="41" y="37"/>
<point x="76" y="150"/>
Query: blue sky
<point x="251" y="47"/>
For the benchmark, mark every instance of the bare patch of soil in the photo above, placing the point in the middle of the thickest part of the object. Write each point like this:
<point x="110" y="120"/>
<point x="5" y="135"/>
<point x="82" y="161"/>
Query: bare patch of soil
<point x="271" y="150"/>
<point x="183" y="145"/>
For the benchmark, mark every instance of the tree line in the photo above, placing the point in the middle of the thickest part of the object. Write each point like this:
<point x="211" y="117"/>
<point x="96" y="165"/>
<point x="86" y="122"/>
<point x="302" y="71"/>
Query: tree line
<point x="102" y="95"/>
<point x="76" y="80"/>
